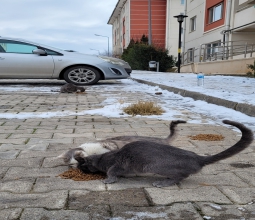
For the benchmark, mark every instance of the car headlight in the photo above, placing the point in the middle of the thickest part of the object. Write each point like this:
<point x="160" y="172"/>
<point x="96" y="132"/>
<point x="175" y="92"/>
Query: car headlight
<point x="113" y="60"/>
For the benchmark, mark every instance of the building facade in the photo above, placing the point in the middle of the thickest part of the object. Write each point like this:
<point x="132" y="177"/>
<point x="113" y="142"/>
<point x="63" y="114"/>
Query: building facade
<point x="218" y="29"/>
<point x="215" y="30"/>
<point x="130" y="20"/>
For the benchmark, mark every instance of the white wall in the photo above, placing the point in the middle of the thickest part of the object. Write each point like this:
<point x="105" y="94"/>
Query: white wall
<point x="244" y="17"/>
<point x="118" y="26"/>
<point x="198" y="37"/>
<point x="174" y="7"/>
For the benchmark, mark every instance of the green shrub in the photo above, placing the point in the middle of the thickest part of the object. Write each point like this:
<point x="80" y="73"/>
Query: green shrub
<point x="139" y="53"/>
<point x="252" y="67"/>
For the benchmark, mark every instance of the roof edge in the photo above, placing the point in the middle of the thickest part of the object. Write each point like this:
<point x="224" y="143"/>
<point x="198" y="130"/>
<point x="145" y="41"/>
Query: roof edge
<point x="116" y="10"/>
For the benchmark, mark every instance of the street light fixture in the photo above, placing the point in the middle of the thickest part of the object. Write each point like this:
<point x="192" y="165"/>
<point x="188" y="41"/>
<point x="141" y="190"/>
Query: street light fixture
<point x="108" y="42"/>
<point x="180" y="19"/>
<point x="96" y="50"/>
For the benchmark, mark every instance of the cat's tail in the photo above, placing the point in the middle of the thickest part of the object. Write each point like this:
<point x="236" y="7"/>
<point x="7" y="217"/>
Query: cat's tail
<point x="244" y="142"/>
<point x="172" y="128"/>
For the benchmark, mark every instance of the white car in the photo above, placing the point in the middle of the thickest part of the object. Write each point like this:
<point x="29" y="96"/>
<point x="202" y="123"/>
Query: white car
<point x="21" y="59"/>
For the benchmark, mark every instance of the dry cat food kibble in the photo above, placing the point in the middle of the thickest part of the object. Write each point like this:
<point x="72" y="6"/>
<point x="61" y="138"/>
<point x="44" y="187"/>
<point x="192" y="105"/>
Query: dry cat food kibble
<point x="78" y="175"/>
<point x="207" y="137"/>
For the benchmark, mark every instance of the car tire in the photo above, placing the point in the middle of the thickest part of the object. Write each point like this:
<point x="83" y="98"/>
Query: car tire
<point x="82" y="75"/>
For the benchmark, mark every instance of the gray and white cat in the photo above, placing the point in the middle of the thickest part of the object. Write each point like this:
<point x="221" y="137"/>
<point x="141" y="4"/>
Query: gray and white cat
<point x="149" y="157"/>
<point x="109" y="144"/>
<point x="70" y="88"/>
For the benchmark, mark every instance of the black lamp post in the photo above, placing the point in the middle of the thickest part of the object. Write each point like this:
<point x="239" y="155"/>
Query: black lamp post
<point x="180" y="19"/>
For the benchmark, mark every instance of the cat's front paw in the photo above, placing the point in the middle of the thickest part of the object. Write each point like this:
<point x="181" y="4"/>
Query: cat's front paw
<point x="110" y="180"/>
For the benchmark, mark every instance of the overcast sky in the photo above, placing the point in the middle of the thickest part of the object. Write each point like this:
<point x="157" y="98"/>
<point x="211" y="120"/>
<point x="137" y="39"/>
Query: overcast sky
<point x="66" y="24"/>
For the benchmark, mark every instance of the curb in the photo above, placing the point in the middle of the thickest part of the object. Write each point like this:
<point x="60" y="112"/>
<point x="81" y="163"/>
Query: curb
<point x="241" y="107"/>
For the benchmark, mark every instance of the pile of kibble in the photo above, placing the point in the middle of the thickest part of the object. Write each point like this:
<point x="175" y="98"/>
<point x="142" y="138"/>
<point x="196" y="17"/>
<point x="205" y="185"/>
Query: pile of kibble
<point x="78" y="175"/>
<point x="207" y="137"/>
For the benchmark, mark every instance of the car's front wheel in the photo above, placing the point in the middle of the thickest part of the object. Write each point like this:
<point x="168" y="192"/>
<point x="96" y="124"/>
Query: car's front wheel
<point x="82" y="75"/>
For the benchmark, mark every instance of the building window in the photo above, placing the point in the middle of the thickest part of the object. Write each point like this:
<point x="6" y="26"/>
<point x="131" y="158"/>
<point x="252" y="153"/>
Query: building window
<point x="193" y="24"/>
<point x="212" y="49"/>
<point x="182" y="2"/>
<point x="190" y="55"/>
<point x="215" y="13"/>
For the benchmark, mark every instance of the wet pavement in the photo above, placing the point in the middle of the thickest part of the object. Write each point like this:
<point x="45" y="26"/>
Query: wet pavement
<point x="30" y="187"/>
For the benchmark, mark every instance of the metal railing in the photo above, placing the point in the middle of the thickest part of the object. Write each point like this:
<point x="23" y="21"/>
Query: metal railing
<point x="219" y="51"/>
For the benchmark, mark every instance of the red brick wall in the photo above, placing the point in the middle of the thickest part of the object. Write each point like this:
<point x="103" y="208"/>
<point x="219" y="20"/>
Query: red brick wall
<point x="139" y="21"/>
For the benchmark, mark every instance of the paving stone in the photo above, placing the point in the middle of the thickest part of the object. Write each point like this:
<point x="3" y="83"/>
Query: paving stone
<point x="41" y="130"/>
<point x="248" y="175"/>
<point x="222" y="167"/>
<point x="43" y="214"/>
<point x="42" y="136"/>
<point x="134" y="182"/>
<point x="11" y="214"/>
<point x="14" y="141"/>
<point x="20" y="172"/>
<point x="53" y="162"/>
<point x="102" y="135"/>
<point x="241" y="157"/>
<point x="11" y="154"/>
<point x="184" y="211"/>
<point x="61" y="146"/>
<point x="75" y="135"/>
<point x="45" y="154"/>
<point x="239" y="195"/>
<point x="31" y="162"/>
<point x="4" y="136"/>
<point x="53" y="183"/>
<point x="63" y="140"/>
<point x="183" y="144"/>
<point x="80" y="199"/>
<point x="3" y="170"/>
<point x="52" y="200"/>
<point x="37" y="147"/>
<point x="160" y="196"/>
<point x="9" y="147"/>
<point x="225" y="212"/>
<point x="17" y="186"/>
<point x="221" y="179"/>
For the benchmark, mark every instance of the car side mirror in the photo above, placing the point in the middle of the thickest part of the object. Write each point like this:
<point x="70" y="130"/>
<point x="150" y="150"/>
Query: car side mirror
<point x="40" y="52"/>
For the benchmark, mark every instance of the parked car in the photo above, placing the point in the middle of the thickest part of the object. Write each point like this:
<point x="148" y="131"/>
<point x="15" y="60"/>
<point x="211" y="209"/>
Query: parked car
<point x="21" y="59"/>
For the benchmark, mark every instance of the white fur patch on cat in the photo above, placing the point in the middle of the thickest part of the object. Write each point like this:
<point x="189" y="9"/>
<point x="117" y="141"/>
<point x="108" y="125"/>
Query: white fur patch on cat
<point x="85" y="150"/>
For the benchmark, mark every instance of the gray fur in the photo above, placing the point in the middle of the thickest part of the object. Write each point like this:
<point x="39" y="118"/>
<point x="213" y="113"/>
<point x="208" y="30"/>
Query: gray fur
<point x="120" y="141"/>
<point x="115" y="143"/>
<point x="70" y="88"/>
<point x="150" y="157"/>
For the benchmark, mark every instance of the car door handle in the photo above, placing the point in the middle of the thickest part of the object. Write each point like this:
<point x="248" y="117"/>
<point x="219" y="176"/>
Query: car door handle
<point x="1" y="58"/>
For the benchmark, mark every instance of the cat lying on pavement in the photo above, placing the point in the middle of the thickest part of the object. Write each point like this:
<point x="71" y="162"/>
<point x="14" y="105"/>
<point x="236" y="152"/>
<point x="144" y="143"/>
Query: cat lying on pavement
<point x="114" y="143"/>
<point x="152" y="157"/>
<point x="71" y="88"/>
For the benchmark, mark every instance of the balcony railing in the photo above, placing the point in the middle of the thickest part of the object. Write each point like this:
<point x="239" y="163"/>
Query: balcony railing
<point x="221" y="51"/>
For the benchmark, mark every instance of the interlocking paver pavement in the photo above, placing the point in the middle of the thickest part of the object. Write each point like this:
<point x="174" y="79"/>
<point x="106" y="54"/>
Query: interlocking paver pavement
<point x="31" y="189"/>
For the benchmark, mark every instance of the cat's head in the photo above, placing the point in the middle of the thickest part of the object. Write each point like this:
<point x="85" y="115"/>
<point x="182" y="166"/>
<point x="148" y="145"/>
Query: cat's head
<point x="81" y="89"/>
<point x="68" y="156"/>
<point x="85" y="163"/>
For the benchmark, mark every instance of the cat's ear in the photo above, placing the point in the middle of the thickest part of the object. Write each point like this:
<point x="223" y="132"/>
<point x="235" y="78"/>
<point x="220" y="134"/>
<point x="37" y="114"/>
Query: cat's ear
<point x="78" y="155"/>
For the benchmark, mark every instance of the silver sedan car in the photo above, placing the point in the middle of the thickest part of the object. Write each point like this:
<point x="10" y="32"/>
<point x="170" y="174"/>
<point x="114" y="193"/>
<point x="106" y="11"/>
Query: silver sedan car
<point x="21" y="59"/>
